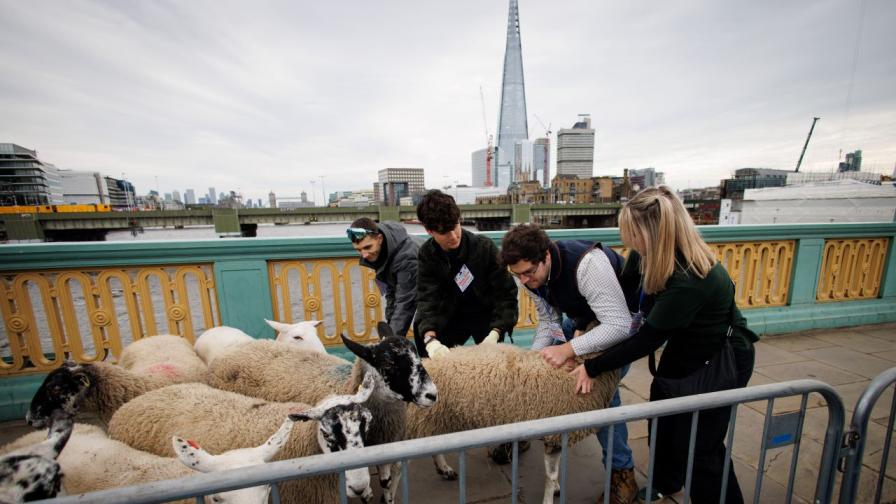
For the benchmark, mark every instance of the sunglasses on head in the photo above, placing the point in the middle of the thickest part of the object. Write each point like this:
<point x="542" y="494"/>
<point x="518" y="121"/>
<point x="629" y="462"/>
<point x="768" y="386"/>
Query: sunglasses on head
<point x="358" y="234"/>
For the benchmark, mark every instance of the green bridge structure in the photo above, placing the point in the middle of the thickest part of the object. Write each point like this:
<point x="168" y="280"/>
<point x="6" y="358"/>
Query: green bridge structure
<point x="93" y="226"/>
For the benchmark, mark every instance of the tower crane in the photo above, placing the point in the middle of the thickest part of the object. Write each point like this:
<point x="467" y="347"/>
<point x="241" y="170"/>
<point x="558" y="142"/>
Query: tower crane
<point x="489" y="151"/>
<point x="798" y="163"/>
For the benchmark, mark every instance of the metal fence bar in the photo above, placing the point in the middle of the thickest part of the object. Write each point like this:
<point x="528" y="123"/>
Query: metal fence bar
<point x="856" y="435"/>
<point x="275" y="494"/>
<point x="462" y="467"/>
<point x="608" y="464"/>
<point x="515" y="473"/>
<point x="690" y="467"/>
<point x="405" y="483"/>
<point x="650" y="459"/>
<point x="163" y="491"/>
<point x="796" y="448"/>
<point x="564" y="453"/>
<point x="731" y="421"/>
<point x="885" y="457"/>
<point x="760" y="471"/>
<point x="343" y="498"/>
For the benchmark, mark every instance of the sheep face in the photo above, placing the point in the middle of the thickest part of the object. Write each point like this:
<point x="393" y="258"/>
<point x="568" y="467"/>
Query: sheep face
<point x="342" y="425"/>
<point x="60" y="393"/>
<point x="397" y="362"/>
<point x="303" y="334"/>
<point x="28" y="477"/>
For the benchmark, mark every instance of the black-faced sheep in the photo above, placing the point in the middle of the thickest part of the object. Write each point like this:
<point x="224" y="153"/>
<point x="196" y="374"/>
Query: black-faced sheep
<point x="497" y="384"/>
<point x="217" y="341"/>
<point x="225" y="420"/>
<point x="277" y="372"/>
<point x="31" y="471"/>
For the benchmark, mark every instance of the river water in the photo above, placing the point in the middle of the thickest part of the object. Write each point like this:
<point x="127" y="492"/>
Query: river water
<point x="264" y="231"/>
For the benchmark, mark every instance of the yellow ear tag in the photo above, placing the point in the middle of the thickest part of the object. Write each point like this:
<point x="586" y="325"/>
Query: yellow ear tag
<point x="85" y="381"/>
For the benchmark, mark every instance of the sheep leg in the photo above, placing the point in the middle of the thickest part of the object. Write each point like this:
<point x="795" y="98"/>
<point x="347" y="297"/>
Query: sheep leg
<point x="442" y="467"/>
<point x="396" y="480"/>
<point x="367" y="496"/>
<point x="389" y="474"/>
<point x="551" y="472"/>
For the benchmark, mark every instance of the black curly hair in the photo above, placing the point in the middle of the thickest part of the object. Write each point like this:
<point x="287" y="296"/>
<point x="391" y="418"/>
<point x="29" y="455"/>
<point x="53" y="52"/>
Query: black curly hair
<point x="438" y="212"/>
<point x="525" y="242"/>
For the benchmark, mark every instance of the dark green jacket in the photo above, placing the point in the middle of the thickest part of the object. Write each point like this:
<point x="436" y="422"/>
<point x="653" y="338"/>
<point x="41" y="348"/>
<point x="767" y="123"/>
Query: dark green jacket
<point x="491" y="291"/>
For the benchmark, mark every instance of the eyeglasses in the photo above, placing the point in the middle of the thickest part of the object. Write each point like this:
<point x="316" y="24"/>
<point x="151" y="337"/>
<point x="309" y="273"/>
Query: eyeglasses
<point x="357" y="234"/>
<point x="529" y="273"/>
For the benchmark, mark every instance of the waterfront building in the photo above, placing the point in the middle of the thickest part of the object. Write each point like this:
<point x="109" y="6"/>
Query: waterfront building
<point x="752" y="178"/>
<point x="212" y="196"/>
<point x="541" y="161"/>
<point x="122" y="195"/>
<point x="25" y="179"/>
<point x="396" y="183"/>
<point x="80" y="187"/>
<point x="272" y="199"/>
<point x="190" y="197"/>
<point x="645" y="177"/>
<point x="853" y="162"/>
<point x="478" y="166"/>
<point x="821" y="202"/>
<point x="575" y="149"/>
<point x="512" y="122"/>
<point x="175" y="195"/>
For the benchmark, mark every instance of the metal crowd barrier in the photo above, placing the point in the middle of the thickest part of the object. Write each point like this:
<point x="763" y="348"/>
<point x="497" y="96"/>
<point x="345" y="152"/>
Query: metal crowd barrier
<point x="775" y="434"/>
<point x="855" y="437"/>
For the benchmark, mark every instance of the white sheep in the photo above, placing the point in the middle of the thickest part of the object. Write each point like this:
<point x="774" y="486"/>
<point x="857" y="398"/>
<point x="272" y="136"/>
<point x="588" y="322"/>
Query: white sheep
<point x="147" y="364"/>
<point x="225" y="420"/>
<point x="277" y="372"/>
<point x="31" y="471"/>
<point x="217" y="341"/>
<point x="92" y="462"/>
<point x="497" y="384"/>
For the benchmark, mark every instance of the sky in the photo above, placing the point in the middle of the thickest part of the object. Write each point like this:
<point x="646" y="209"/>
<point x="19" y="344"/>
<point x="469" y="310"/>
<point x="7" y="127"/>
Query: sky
<point x="270" y="95"/>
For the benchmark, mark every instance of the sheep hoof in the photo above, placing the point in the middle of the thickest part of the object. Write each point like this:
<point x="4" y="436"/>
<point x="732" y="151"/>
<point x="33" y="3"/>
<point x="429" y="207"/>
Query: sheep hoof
<point x="448" y="475"/>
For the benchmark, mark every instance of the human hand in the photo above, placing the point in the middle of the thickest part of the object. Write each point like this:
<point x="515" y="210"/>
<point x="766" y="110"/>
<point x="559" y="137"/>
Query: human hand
<point x="557" y="355"/>
<point x="577" y="333"/>
<point x="570" y="364"/>
<point x="584" y="383"/>
<point x="492" y="337"/>
<point x="436" y="349"/>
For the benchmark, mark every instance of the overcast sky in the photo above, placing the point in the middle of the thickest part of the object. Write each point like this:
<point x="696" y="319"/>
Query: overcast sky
<point x="268" y="96"/>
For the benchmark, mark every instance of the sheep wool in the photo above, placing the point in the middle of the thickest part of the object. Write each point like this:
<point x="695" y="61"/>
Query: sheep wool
<point x="164" y="355"/>
<point x="496" y="384"/>
<point x="220" y="421"/>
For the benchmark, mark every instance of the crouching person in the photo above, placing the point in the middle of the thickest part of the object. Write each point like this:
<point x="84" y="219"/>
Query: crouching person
<point x="576" y="279"/>
<point x="389" y="251"/>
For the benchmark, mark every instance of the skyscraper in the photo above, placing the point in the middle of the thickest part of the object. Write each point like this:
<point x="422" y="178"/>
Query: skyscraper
<point x="541" y="160"/>
<point x="189" y="197"/>
<point x="212" y="196"/>
<point x="512" y="123"/>
<point x="478" y="167"/>
<point x="575" y="149"/>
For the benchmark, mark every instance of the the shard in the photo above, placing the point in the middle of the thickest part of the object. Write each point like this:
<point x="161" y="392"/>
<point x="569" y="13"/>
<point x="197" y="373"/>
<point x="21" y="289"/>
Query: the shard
<point x="512" y="124"/>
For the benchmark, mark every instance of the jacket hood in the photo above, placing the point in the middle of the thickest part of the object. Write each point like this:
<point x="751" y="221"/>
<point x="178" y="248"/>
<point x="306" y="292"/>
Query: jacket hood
<point x="394" y="235"/>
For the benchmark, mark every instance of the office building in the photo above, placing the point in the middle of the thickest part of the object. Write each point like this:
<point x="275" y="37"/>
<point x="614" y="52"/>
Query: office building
<point x="81" y="187"/>
<point x="189" y="197"/>
<point x="752" y="178"/>
<point x="541" y="161"/>
<point x="853" y="162"/>
<point x="175" y="195"/>
<point x="478" y="165"/>
<point x="575" y="149"/>
<point x="396" y="183"/>
<point x="645" y="177"/>
<point x="212" y="196"/>
<point x="272" y="199"/>
<point x="25" y="179"/>
<point x="512" y="122"/>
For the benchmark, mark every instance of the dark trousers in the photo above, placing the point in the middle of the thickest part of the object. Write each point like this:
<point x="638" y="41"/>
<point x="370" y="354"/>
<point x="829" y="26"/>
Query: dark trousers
<point x="460" y="328"/>
<point x="673" y="437"/>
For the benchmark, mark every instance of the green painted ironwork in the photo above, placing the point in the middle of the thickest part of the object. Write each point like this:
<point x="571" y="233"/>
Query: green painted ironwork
<point x="521" y="214"/>
<point x="389" y="213"/>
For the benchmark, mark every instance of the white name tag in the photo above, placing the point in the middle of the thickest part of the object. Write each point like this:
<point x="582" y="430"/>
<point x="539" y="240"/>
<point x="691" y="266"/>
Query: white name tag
<point x="464" y="278"/>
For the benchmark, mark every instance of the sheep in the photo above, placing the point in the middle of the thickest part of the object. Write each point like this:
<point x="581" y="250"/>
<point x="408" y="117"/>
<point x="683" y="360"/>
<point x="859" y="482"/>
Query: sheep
<point x="217" y="341"/>
<point x="164" y="354"/>
<point x="226" y="420"/>
<point x="31" y="472"/>
<point x="496" y="384"/>
<point x="283" y="373"/>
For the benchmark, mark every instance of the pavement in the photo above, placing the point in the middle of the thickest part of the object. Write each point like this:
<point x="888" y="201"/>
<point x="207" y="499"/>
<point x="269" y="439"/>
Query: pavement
<point x="846" y="358"/>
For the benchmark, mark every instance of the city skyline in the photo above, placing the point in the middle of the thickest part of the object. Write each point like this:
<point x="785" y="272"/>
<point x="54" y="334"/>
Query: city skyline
<point x="697" y="91"/>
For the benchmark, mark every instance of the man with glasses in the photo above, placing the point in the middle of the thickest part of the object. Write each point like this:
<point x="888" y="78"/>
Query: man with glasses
<point x="389" y="250"/>
<point x="581" y="310"/>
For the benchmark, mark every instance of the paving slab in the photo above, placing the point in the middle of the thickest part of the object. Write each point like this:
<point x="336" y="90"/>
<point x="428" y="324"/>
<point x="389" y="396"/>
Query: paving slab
<point x="768" y="354"/>
<point x="858" y="341"/>
<point x="782" y="404"/>
<point x="889" y="355"/>
<point x="795" y="342"/>
<point x="811" y="369"/>
<point x="884" y="331"/>
<point x="849" y="360"/>
<point x="851" y="392"/>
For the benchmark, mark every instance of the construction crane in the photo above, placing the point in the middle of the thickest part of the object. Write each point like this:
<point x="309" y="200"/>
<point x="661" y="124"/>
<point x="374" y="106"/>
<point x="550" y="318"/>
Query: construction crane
<point x="546" y="168"/>
<point x="547" y="129"/>
<point x="489" y="152"/>
<point x="798" y="163"/>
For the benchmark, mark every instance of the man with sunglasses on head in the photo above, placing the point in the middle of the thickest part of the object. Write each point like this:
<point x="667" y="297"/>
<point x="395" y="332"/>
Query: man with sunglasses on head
<point x="392" y="253"/>
<point x="581" y="310"/>
<point x="462" y="290"/>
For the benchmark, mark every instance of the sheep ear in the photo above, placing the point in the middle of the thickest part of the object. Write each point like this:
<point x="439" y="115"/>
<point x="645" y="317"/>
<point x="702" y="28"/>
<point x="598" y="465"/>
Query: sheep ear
<point x="384" y="330"/>
<point x="304" y="415"/>
<point x="358" y="349"/>
<point x="314" y="323"/>
<point x="275" y="443"/>
<point x="278" y="326"/>
<point x="192" y="455"/>
<point x="365" y="389"/>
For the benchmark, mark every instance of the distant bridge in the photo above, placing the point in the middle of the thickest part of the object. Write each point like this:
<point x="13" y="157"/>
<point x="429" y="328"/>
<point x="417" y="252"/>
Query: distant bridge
<point x="94" y="225"/>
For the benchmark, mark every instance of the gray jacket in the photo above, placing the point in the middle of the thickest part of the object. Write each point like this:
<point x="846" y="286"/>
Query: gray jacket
<point x="398" y="275"/>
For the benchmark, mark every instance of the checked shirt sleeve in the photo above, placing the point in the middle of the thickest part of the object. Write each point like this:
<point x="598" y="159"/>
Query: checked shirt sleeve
<point x="546" y="316"/>
<point x="598" y="283"/>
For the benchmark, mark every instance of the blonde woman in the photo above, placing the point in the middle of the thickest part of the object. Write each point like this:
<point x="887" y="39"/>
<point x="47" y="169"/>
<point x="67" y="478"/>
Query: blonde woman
<point x="687" y="302"/>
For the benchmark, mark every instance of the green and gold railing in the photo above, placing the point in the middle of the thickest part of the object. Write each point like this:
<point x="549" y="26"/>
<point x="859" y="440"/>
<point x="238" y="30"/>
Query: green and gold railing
<point x="85" y="301"/>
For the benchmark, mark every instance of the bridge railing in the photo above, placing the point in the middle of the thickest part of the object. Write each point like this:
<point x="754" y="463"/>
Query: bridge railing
<point x="87" y="300"/>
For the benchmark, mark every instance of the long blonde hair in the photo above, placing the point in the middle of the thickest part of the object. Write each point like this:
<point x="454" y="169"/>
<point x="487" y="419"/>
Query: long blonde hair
<point x="657" y="222"/>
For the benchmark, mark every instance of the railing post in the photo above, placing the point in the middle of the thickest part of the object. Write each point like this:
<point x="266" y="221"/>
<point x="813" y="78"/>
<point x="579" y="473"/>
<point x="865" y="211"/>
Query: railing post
<point x="389" y="213"/>
<point x="244" y="295"/>
<point x="888" y="279"/>
<point x="520" y="214"/>
<point x="806" y="268"/>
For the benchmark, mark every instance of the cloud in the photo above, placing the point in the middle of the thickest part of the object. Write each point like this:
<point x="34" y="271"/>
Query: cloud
<point x="274" y="95"/>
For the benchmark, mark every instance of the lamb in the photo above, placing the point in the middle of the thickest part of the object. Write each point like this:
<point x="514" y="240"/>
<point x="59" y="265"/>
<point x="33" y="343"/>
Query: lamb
<point x="496" y="384"/>
<point x="217" y="341"/>
<point x="32" y="472"/>
<point x="147" y="364"/>
<point x="226" y="420"/>
<point x="283" y="373"/>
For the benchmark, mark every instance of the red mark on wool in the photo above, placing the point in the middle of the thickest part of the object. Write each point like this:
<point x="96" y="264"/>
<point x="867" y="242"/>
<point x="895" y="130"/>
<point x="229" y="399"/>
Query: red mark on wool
<point x="168" y="370"/>
<point x="193" y="444"/>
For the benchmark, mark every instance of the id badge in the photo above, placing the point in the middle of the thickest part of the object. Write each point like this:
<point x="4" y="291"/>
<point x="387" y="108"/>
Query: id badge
<point x="464" y="278"/>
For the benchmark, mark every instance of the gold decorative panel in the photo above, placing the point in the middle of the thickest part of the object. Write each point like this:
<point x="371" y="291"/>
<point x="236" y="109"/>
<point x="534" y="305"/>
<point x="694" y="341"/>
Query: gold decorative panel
<point x="761" y="271"/>
<point x="851" y="269"/>
<point x="86" y="314"/>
